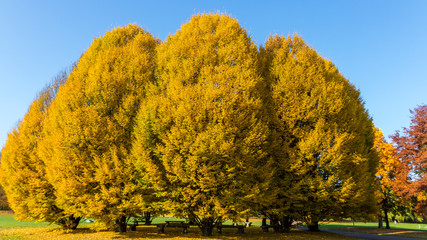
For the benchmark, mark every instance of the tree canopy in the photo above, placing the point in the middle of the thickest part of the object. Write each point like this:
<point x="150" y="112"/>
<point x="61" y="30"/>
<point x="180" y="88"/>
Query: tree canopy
<point x="389" y="200"/>
<point x="411" y="146"/>
<point x="89" y="127"/>
<point x="327" y="133"/>
<point x="204" y="126"/>
<point x="22" y="171"/>
<point x="202" y="137"/>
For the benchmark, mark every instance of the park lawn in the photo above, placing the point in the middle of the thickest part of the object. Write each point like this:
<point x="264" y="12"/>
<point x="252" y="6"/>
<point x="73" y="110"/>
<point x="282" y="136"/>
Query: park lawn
<point x="150" y="232"/>
<point x="406" y="226"/>
<point x="12" y="229"/>
<point x="414" y="230"/>
<point x="7" y="221"/>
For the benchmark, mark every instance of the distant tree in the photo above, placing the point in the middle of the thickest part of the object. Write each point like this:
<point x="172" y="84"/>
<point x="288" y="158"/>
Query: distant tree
<point x="411" y="146"/>
<point x="389" y="200"/>
<point x="201" y="137"/>
<point x="22" y="171"/>
<point x="328" y="166"/>
<point x="89" y="127"/>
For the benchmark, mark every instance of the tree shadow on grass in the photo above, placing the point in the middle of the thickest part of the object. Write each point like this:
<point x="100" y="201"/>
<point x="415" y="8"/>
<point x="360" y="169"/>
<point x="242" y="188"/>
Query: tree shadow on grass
<point x="151" y="232"/>
<point x="392" y="232"/>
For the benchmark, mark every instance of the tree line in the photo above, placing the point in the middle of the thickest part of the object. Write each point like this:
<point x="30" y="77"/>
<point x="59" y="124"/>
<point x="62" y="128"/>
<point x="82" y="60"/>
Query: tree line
<point x="204" y="126"/>
<point x="401" y="174"/>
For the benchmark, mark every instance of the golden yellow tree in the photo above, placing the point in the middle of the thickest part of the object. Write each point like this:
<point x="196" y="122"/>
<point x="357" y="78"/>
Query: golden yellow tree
<point x="89" y="127"/>
<point x="22" y="172"/>
<point x="328" y="135"/>
<point x="201" y="137"/>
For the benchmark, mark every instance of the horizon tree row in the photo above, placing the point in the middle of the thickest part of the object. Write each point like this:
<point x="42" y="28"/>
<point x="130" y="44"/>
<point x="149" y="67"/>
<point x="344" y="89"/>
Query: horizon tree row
<point x="204" y="126"/>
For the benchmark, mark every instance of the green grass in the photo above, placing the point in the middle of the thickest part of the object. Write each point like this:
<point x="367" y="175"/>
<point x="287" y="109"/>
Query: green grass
<point x="150" y="232"/>
<point x="411" y="230"/>
<point x="7" y="221"/>
<point x="405" y="226"/>
<point x="12" y="229"/>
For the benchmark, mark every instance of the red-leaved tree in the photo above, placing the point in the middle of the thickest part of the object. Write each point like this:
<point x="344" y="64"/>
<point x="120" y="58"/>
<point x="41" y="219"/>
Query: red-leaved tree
<point x="411" y="146"/>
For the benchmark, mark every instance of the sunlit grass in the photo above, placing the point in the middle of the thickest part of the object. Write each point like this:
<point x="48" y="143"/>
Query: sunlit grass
<point x="7" y="221"/>
<point x="407" y="226"/>
<point x="414" y="230"/>
<point x="150" y="232"/>
<point x="12" y="229"/>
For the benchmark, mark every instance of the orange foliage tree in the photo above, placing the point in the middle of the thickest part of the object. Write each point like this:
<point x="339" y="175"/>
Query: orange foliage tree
<point x="388" y="199"/>
<point x="411" y="146"/>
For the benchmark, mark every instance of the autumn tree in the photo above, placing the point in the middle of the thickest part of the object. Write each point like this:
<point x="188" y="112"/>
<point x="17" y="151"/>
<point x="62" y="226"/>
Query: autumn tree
<point x="411" y="146"/>
<point x="388" y="199"/>
<point x="327" y="165"/>
<point x="201" y="137"/>
<point x="275" y="203"/>
<point x="89" y="127"/>
<point x="22" y="171"/>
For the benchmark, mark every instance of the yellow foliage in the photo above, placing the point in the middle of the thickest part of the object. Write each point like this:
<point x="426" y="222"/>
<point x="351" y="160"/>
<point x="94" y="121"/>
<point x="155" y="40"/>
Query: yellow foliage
<point x="204" y="125"/>
<point x="201" y="137"/>
<point x="388" y="160"/>
<point x="327" y="134"/>
<point x="22" y="172"/>
<point x="89" y="127"/>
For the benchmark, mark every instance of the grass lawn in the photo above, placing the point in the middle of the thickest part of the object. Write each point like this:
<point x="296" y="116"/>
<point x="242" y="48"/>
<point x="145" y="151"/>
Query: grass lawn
<point x="150" y="232"/>
<point x="12" y="229"/>
<point x="399" y="229"/>
<point x="7" y="221"/>
<point x="407" y="226"/>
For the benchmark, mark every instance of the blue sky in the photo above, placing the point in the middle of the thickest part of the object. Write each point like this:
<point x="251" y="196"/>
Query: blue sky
<point x="380" y="46"/>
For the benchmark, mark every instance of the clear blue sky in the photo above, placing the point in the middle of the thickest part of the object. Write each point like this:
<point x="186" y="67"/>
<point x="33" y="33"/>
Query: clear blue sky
<point x="380" y="45"/>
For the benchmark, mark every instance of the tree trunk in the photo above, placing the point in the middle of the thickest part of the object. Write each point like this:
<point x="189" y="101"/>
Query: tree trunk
<point x="286" y="224"/>
<point x="191" y="220"/>
<point x="380" y="221"/>
<point x="275" y="223"/>
<point x="70" y="223"/>
<point x="207" y="230"/>
<point x="387" y="224"/>
<point x="264" y="225"/>
<point x="147" y="218"/>
<point x="352" y="219"/>
<point x="313" y="226"/>
<point x="121" y="223"/>
<point x="207" y="225"/>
